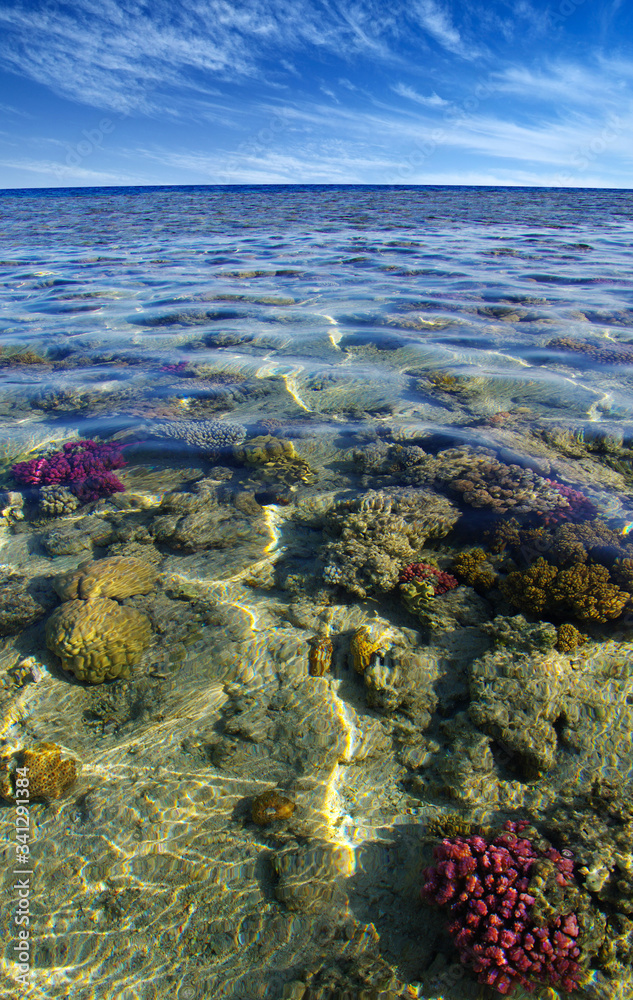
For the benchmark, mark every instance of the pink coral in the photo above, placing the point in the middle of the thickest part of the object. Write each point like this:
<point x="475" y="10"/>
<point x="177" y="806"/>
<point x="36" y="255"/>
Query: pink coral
<point x="84" y="467"/>
<point x="485" y="883"/>
<point x="580" y="507"/>
<point x="442" y="582"/>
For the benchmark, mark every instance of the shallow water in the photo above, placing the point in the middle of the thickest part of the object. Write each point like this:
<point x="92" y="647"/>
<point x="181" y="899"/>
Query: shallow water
<point x="356" y="323"/>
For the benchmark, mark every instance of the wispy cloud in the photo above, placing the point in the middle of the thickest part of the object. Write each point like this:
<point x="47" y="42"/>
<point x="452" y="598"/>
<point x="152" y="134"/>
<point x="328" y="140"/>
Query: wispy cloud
<point x="436" y="20"/>
<point x="433" y="101"/>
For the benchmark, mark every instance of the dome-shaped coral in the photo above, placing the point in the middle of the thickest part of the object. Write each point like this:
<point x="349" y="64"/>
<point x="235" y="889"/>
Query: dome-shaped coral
<point x="97" y="640"/>
<point x="118" y="576"/>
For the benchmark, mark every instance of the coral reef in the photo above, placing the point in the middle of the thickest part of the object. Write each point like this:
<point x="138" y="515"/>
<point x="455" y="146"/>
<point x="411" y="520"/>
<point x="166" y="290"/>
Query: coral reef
<point x="381" y="458"/>
<point x="582" y="591"/>
<point x="117" y="577"/>
<point x="78" y="536"/>
<point x="376" y="534"/>
<point x="274" y="458"/>
<point x="598" y="827"/>
<point x="214" y="438"/>
<point x="483" y="482"/>
<point x="84" y="467"/>
<point x="603" y="354"/>
<point x="490" y="886"/>
<point x="580" y="507"/>
<point x="320" y="655"/>
<point x="98" y="640"/>
<point x="517" y="634"/>
<point x="506" y="489"/>
<point x="518" y="697"/>
<point x="50" y="771"/>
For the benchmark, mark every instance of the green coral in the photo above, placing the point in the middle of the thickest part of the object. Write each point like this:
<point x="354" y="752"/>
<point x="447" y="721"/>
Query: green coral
<point x="581" y="591"/>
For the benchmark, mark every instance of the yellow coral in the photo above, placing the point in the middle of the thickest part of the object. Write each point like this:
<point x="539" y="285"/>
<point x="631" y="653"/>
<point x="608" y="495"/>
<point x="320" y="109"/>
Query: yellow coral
<point x="47" y="767"/>
<point x="118" y="576"/>
<point x="97" y="640"/>
<point x="366" y="641"/>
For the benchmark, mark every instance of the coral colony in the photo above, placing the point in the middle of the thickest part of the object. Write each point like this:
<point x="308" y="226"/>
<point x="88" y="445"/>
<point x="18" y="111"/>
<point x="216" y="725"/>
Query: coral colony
<point x="84" y="467"/>
<point x="486" y="885"/>
<point x="580" y="507"/>
<point x="441" y="582"/>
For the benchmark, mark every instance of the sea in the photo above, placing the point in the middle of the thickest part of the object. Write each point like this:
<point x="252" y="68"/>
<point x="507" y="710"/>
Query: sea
<point x="350" y="574"/>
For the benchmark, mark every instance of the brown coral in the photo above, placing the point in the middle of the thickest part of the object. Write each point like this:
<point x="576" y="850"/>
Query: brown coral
<point x="473" y="569"/>
<point x="581" y="591"/>
<point x="48" y="769"/>
<point x="97" y="640"/>
<point x="118" y="576"/>
<point x="569" y="638"/>
<point x="484" y="482"/>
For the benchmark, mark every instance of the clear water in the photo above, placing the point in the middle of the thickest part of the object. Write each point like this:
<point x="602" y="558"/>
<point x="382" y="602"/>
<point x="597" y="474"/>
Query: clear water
<point x="334" y="317"/>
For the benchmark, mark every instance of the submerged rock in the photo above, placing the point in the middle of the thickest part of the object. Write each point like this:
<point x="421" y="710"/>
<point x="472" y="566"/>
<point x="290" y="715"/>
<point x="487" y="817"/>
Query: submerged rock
<point x="24" y="601"/>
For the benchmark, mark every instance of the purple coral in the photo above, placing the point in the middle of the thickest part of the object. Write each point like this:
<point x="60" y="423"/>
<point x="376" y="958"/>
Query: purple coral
<point x="580" y="507"/>
<point x="486" y="883"/>
<point x="84" y="467"/>
<point x="442" y="582"/>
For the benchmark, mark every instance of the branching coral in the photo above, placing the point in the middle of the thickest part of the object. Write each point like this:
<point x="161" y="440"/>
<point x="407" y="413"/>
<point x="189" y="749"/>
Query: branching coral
<point x="569" y="638"/>
<point x="489" y="887"/>
<point x="582" y="591"/>
<point x="84" y="467"/>
<point x="474" y="569"/>
<point x="440" y="581"/>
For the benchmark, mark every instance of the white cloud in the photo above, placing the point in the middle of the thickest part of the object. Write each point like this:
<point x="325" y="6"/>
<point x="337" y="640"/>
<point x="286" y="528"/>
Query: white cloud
<point x="436" y="21"/>
<point x="433" y="101"/>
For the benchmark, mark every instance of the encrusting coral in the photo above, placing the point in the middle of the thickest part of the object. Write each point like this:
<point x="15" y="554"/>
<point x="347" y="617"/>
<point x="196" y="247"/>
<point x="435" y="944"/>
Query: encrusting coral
<point x="49" y="770"/>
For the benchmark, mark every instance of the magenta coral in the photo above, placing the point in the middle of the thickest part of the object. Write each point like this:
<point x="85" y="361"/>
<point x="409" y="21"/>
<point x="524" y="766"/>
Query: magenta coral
<point x="424" y="571"/>
<point x="84" y="467"/>
<point x="580" y="507"/>
<point x="485" y="883"/>
<point x="176" y="369"/>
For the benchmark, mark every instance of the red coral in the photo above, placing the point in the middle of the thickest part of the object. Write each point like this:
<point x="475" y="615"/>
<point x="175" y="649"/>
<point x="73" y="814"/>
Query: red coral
<point x="84" y="467"/>
<point x="493" y="930"/>
<point x="424" y="571"/>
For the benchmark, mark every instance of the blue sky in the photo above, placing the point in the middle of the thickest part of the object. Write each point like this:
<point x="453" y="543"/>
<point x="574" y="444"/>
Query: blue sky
<point x="109" y="92"/>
